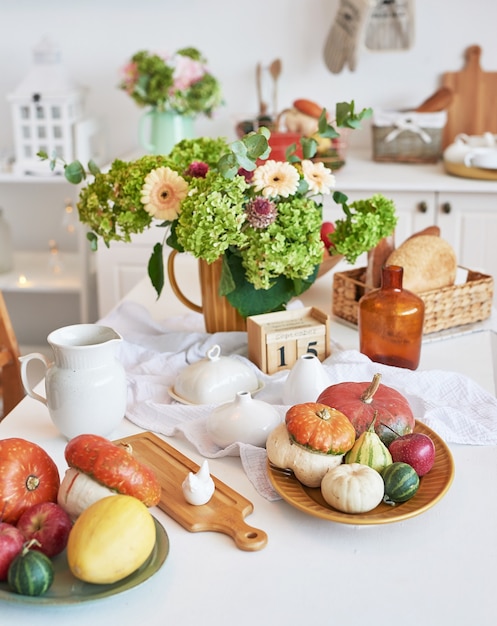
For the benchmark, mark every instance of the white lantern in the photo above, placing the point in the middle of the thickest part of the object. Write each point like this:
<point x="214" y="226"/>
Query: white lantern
<point x="46" y="106"/>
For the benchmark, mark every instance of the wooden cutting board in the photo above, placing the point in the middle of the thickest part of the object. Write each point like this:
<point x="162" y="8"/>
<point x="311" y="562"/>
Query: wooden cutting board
<point x="473" y="110"/>
<point x="225" y="511"/>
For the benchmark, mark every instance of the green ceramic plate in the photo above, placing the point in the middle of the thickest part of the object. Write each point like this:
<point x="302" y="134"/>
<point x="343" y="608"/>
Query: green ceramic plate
<point x="66" y="589"/>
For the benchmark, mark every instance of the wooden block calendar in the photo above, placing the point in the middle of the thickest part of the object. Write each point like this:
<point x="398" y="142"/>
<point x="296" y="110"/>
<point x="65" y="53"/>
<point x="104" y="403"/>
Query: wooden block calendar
<point x="277" y="340"/>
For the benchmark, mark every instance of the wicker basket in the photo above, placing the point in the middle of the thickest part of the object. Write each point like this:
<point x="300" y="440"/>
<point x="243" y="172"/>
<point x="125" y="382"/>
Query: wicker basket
<point x="444" y="308"/>
<point x="408" y="137"/>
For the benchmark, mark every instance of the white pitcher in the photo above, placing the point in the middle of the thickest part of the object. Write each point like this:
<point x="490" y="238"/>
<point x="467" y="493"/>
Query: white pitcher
<point x="85" y="385"/>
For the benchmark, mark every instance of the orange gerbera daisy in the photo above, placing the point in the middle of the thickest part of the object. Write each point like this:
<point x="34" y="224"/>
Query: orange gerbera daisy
<point x="163" y="192"/>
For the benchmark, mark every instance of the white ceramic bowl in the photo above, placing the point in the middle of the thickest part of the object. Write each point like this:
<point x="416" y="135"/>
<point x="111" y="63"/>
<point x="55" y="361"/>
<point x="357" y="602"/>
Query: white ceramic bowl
<point x="214" y="379"/>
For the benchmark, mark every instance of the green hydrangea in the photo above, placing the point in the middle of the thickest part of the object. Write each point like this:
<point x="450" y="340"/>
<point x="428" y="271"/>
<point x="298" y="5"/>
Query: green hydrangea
<point x="291" y="246"/>
<point x="206" y="149"/>
<point x="365" y="225"/>
<point x="212" y="216"/>
<point x="110" y="205"/>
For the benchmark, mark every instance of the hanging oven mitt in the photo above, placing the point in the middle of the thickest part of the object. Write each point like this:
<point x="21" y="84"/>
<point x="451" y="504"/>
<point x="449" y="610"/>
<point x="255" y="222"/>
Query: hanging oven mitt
<point x="390" y="25"/>
<point x="344" y="37"/>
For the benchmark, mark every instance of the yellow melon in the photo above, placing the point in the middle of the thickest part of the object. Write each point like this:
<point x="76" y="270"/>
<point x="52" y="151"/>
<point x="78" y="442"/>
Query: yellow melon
<point x="111" y="539"/>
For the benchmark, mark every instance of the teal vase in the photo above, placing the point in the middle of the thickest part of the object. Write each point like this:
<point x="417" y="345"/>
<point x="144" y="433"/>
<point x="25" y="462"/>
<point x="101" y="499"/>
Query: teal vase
<point x="160" y="131"/>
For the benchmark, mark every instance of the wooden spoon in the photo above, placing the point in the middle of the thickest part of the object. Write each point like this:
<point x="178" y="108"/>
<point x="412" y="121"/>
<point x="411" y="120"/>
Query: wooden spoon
<point x="438" y="101"/>
<point x="275" y="71"/>
<point x="258" y="85"/>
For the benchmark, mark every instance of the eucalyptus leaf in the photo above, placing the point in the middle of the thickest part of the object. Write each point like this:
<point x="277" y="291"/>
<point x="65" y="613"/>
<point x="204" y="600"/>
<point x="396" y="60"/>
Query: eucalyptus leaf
<point x="156" y="268"/>
<point x="93" y="239"/>
<point x="309" y="147"/>
<point x="228" y="165"/>
<point x="346" y="117"/>
<point x="256" y="145"/>
<point x="93" y="167"/>
<point x="74" y="172"/>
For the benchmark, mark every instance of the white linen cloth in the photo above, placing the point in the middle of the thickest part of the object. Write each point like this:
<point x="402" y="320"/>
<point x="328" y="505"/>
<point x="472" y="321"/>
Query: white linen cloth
<point x="451" y="404"/>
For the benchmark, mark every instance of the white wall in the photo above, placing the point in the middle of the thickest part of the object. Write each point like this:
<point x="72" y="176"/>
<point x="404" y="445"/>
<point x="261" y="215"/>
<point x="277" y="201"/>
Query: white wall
<point x="96" y="37"/>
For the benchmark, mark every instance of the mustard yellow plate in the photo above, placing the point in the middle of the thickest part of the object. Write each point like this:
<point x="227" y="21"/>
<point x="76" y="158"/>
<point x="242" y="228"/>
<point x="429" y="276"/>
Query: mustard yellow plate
<point x="433" y="486"/>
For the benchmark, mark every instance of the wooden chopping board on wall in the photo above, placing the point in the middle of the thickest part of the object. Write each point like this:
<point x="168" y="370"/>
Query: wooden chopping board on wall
<point x="474" y="107"/>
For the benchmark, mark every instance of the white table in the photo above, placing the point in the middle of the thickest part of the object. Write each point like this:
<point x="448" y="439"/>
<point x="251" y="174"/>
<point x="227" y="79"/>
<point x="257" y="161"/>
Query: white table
<point x="435" y="569"/>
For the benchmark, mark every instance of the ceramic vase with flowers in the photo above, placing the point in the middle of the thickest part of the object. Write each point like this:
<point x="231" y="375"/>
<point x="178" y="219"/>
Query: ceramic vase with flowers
<point x="176" y="88"/>
<point x="256" y="220"/>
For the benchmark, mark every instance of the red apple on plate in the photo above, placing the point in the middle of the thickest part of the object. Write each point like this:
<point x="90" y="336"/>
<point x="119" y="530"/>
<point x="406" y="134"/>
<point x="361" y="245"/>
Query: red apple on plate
<point x="11" y="542"/>
<point x="415" y="449"/>
<point x="49" y="524"/>
<point x="326" y="229"/>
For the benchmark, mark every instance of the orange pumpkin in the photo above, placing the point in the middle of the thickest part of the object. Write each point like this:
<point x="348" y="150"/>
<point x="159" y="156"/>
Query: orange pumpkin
<point x="28" y="476"/>
<point x="320" y="428"/>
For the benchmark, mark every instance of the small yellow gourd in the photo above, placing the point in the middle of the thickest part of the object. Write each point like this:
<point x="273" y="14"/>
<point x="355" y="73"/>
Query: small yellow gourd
<point x="370" y="450"/>
<point x="110" y="539"/>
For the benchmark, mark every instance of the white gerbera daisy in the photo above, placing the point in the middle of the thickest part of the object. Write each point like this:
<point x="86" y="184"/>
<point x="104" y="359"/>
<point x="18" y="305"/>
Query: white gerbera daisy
<point x="276" y="178"/>
<point x="319" y="178"/>
<point x="163" y="192"/>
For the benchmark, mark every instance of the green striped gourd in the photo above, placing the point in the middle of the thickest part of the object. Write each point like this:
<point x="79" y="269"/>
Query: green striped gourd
<point x="370" y="450"/>
<point x="401" y="482"/>
<point x="31" y="573"/>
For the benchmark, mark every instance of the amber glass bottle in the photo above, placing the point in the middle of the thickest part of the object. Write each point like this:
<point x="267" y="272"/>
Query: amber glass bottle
<point x="391" y="322"/>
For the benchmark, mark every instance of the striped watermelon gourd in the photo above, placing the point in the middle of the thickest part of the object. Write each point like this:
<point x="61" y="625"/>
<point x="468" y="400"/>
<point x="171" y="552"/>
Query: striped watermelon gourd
<point x="31" y="573"/>
<point x="401" y="482"/>
<point x="370" y="450"/>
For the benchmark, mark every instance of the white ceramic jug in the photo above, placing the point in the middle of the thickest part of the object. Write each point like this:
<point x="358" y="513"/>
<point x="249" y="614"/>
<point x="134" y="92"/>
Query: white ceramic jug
<point x="305" y="381"/>
<point x="85" y="385"/>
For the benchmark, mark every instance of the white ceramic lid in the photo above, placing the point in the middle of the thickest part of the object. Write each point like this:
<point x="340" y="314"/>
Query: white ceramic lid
<point x="214" y="379"/>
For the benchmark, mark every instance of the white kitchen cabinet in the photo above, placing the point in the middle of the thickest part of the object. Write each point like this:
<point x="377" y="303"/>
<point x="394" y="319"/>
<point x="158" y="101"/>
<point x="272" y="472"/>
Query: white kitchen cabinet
<point x="469" y="222"/>
<point x="424" y="195"/>
<point x="121" y="266"/>
<point x="45" y="290"/>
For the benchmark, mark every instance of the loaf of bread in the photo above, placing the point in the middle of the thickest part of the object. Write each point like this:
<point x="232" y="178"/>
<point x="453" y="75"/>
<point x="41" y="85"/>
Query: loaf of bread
<point x="429" y="262"/>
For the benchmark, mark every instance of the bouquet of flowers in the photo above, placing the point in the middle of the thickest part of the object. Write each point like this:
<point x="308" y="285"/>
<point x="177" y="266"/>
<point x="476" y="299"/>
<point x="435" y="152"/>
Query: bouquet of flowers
<point x="180" y="82"/>
<point x="219" y="200"/>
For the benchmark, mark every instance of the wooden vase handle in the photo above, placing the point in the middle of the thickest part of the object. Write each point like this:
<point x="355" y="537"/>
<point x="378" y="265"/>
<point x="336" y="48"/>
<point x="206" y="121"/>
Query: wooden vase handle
<point x="175" y="287"/>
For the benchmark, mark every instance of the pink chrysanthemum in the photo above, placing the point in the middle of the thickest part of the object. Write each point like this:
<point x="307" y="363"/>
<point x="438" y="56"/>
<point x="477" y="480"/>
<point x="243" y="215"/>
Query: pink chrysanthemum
<point x="319" y="178"/>
<point x="261" y="212"/>
<point x="198" y="169"/>
<point x="246" y="174"/>
<point x="163" y="192"/>
<point x="187" y="72"/>
<point x="276" y="178"/>
<point x="130" y="76"/>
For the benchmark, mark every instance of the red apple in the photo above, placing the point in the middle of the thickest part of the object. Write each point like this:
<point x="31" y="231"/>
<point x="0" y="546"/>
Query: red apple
<point x="415" y="449"/>
<point x="326" y="229"/>
<point x="11" y="542"/>
<point x="49" y="524"/>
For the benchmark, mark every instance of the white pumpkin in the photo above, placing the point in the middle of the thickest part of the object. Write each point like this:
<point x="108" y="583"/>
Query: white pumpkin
<point x="309" y="467"/>
<point x="78" y="491"/>
<point x="353" y="488"/>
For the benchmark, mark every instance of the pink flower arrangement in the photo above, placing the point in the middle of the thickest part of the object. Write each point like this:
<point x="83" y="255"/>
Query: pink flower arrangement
<point x="180" y="82"/>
